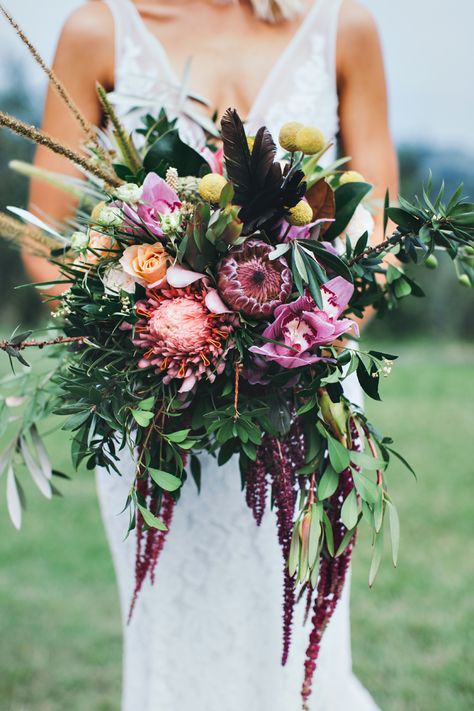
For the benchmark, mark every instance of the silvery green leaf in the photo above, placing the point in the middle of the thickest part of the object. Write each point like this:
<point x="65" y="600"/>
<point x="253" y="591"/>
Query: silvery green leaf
<point x="376" y="558"/>
<point x="279" y="251"/>
<point x="314" y="535"/>
<point x="13" y="499"/>
<point x="41" y="452"/>
<point x="294" y="551"/>
<point x="300" y="265"/>
<point x="32" y="219"/>
<point x="394" y="531"/>
<point x="35" y="470"/>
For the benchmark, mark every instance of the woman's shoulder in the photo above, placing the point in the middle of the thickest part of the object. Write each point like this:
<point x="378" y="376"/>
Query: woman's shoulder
<point x="88" y="35"/>
<point x="357" y="33"/>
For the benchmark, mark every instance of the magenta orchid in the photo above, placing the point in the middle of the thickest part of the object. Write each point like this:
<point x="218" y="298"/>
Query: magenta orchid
<point x="300" y="327"/>
<point x="157" y="199"/>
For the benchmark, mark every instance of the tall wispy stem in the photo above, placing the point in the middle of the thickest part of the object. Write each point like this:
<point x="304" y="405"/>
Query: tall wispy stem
<point x="39" y="137"/>
<point x="86" y="126"/>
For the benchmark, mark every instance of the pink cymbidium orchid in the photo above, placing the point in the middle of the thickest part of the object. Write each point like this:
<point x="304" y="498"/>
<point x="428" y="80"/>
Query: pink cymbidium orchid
<point x="301" y="327"/>
<point x="157" y="199"/>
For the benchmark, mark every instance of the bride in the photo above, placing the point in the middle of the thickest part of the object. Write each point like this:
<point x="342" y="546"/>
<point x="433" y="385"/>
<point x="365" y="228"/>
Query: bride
<point x="206" y="636"/>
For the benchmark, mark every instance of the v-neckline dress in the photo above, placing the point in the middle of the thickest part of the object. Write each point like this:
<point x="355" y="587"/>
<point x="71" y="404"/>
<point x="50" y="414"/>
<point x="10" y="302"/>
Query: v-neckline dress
<point x="207" y="635"/>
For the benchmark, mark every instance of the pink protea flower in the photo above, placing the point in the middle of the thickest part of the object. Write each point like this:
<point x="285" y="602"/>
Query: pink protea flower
<point x="301" y="327"/>
<point x="250" y="282"/>
<point x="185" y="333"/>
<point x="157" y="199"/>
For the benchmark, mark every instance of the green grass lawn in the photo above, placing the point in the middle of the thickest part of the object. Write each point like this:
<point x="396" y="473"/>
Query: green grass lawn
<point x="413" y="634"/>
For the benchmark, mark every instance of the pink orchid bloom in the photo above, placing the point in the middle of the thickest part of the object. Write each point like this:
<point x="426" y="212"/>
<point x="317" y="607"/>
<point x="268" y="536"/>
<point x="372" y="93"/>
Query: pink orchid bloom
<point x="157" y="199"/>
<point x="301" y="327"/>
<point x="304" y="232"/>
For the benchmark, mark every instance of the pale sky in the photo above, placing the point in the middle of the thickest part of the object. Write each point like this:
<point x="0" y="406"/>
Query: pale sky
<point x="429" y="59"/>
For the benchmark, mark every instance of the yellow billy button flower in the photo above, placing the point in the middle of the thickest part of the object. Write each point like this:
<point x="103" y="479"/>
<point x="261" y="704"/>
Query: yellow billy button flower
<point x="287" y="137"/>
<point x="351" y="176"/>
<point x="211" y="187"/>
<point x="301" y="214"/>
<point x="310" y="140"/>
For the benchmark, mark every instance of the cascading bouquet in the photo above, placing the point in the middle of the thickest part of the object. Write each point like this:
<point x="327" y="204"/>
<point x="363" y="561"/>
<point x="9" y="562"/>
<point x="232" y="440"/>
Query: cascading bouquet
<point x="207" y="300"/>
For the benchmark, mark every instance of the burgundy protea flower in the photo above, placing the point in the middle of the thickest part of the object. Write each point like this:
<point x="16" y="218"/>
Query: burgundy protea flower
<point x="185" y="332"/>
<point x="250" y="282"/>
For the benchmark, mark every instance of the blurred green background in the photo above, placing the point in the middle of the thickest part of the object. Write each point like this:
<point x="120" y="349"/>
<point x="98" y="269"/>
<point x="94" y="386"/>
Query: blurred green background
<point x="413" y="633"/>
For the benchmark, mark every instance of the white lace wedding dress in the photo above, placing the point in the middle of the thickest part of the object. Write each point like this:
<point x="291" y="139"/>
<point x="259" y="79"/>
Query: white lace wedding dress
<point x="207" y="635"/>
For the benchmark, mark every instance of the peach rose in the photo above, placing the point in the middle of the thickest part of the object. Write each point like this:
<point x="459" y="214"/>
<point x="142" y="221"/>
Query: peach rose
<point x="146" y="263"/>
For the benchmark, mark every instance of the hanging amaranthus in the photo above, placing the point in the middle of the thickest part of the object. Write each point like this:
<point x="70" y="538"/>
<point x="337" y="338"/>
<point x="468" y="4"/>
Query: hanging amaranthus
<point x="332" y="573"/>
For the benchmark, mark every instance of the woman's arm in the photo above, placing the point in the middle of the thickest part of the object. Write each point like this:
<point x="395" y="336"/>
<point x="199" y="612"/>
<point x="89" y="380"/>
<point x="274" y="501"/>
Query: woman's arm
<point x="363" y="108"/>
<point x="85" y="54"/>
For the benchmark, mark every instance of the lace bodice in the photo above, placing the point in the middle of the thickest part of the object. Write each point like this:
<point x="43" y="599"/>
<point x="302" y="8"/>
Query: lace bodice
<point x="301" y="86"/>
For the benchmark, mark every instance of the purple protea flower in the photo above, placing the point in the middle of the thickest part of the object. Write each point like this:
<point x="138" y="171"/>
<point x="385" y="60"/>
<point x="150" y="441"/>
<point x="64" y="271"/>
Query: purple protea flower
<point x="250" y="282"/>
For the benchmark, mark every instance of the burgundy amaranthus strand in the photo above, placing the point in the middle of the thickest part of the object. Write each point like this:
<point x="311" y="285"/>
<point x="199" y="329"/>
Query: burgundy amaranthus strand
<point x="332" y="575"/>
<point x="150" y="542"/>
<point x="284" y="458"/>
<point x="256" y="486"/>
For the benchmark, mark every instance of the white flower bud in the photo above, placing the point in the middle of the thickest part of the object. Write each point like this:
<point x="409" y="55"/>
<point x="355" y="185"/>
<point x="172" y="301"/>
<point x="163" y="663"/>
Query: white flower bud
<point x="110" y="217"/>
<point x="129" y="192"/>
<point x="171" y="222"/>
<point x="79" y="241"/>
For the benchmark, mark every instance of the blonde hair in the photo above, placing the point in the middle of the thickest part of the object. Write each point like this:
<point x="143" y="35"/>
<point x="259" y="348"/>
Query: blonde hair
<point x="273" y="10"/>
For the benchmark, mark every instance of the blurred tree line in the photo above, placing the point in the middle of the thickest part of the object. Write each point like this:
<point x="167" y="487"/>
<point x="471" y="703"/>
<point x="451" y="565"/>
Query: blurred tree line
<point x="446" y="314"/>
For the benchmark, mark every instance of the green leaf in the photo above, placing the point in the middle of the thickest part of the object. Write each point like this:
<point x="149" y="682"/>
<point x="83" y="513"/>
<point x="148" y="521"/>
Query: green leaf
<point x="328" y="533"/>
<point x="402" y="288"/>
<point x="75" y="421"/>
<point x="294" y="556"/>
<point x="151" y="520"/>
<point x="348" y="197"/>
<point x="142" y="418"/>
<point x="170" y="150"/>
<point x="147" y="404"/>
<point x="350" y="511"/>
<point x="366" y="487"/>
<point x="328" y="483"/>
<point x="196" y="471"/>
<point x="177" y="437"/>
<point x="365" y="461"/>
<point x="338" y="455"/>
<point x="166" y="481"/>
<point x="314" y="535"/>
<point x="394" y="530"/>
<point x="376" y="557"/>
<point x="345" y="542"/>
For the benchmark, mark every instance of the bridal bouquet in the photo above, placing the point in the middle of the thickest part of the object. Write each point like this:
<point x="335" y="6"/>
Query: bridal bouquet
<point x="210" y="303"/>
